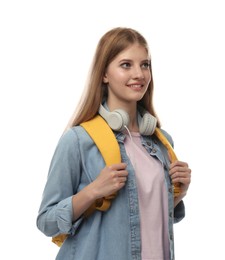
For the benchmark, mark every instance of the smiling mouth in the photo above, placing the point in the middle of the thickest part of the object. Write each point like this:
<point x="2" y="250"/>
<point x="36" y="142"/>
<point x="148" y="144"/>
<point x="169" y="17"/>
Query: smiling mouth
<point x="136" y="86"/>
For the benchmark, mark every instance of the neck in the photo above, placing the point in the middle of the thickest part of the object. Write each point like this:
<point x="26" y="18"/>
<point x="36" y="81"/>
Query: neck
<point x="133" y="125"/>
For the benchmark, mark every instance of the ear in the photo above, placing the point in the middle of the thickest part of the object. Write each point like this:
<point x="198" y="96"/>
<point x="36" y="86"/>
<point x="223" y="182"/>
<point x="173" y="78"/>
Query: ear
<point x="105" y="79"/>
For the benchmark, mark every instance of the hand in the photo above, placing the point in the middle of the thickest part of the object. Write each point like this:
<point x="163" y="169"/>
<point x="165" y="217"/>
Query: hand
<point x="180" y="173"/>
<point x="110" y="180"/>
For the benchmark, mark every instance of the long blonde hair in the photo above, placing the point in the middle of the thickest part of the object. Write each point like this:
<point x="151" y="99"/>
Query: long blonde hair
<point x="109" y="46"/>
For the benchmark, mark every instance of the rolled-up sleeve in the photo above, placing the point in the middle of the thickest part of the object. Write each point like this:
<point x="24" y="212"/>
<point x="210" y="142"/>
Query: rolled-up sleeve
<point x="179" y="212"/>
<point x="55" y="215"/>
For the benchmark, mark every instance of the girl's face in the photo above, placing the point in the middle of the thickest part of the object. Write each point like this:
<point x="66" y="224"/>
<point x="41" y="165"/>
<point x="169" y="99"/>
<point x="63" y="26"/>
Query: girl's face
<point x="128" y="77"/>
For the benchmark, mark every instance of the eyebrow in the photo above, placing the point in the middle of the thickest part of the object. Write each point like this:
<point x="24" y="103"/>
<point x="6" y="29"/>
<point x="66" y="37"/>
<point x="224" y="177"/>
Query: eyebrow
<point x="129" y="60"/>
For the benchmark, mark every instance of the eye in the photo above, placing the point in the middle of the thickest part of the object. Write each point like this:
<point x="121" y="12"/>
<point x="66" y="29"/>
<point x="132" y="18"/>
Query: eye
<point x="146" y="65"/>
<point x="125" y="65"/>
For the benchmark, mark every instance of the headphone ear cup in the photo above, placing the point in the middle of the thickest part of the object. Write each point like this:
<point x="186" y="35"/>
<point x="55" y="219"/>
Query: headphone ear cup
<point x="118" y="119"/>
<point x="148" y="124"/>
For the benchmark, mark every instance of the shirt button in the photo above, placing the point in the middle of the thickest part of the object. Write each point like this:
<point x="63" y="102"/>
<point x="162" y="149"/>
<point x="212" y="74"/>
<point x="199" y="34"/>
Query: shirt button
<point x="170" y="190"/>
<point x="154" y="150"/>
<point x="155" y="142"/>
<point x="148" y="143"/>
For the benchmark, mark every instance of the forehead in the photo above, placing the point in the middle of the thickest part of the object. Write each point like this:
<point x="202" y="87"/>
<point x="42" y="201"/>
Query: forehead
<point x="133" y="52"/>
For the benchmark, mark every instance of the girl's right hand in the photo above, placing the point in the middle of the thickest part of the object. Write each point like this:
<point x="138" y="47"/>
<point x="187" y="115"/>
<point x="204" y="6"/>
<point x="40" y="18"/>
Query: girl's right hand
<point x="110" y="180"/>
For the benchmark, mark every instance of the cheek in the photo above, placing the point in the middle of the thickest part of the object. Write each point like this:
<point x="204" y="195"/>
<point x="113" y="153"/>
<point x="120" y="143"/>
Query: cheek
<point x="118" y="77"/>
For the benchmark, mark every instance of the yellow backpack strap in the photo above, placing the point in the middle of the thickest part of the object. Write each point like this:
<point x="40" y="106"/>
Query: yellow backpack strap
<point x="172" y="156"/>
<point x="104" y="139"/>
<point x="58" y="240"/>
<point x="108" y="146"/>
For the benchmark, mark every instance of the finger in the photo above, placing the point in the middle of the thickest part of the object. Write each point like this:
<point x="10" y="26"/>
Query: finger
<point x="119" y="182"/>
<point x="179" y="169"/>
<point x="184" y="175"/>
<point x="123" y="173"/>
<point x="123" y="179"/>
<point x="178" y="163"/>
<point x="117" y="167"/>
<point x="185" y="181"/>
<point x="118" y="177"/>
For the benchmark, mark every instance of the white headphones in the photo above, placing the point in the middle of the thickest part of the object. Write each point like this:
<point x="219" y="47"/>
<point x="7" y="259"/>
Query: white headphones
<point x="119" y="118"/>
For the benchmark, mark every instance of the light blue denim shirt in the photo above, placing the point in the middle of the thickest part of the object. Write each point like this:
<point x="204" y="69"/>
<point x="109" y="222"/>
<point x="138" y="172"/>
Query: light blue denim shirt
<point x="111" y="235"/>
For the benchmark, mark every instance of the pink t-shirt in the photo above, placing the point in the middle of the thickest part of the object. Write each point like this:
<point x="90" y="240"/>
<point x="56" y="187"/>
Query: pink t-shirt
<point x="153" y="200"/>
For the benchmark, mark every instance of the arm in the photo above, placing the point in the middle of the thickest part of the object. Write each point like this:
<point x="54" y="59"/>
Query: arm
<point x="110" y="180"/>
<point x="61" y="204"/>
<point x="56" y="212"/>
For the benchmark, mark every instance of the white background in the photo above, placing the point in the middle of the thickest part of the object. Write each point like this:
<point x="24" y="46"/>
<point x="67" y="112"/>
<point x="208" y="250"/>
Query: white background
<point x="46" y="48"/>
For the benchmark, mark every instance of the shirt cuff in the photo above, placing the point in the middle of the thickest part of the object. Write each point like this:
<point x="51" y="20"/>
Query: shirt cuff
<point x="179" y="212"/>
<point x="64" y="217"/>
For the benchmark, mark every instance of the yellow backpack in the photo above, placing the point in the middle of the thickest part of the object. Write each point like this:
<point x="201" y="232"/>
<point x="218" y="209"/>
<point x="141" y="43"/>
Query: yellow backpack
<point x="104" y="137"/>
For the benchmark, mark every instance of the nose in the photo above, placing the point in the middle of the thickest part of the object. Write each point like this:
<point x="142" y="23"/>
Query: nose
<point x="138" y="73"/>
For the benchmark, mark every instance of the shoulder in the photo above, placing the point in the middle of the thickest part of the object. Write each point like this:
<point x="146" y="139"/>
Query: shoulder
<point x="74" y="142"/>
<point x="78" y="135"/>
<point x="73" y="134"/>
<point x="73" y="137"/>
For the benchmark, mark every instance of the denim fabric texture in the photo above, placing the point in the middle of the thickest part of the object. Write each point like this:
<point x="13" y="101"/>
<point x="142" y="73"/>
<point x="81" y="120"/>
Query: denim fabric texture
<point x="111" y="235"/>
